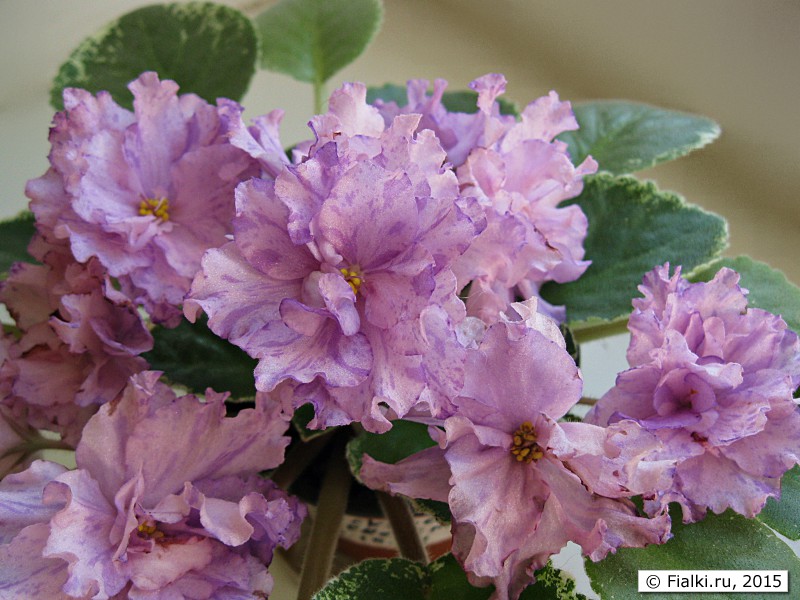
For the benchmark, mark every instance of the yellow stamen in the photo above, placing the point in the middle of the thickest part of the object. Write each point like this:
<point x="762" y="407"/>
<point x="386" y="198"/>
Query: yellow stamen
<point x="353" y="278"/>
<point x="157" y="207"/>
<point x="150" y="530"/>
<point x="525" y="448"/>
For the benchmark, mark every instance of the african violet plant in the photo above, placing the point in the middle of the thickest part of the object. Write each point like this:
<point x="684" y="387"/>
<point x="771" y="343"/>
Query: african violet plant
<point x="200" y="313"/>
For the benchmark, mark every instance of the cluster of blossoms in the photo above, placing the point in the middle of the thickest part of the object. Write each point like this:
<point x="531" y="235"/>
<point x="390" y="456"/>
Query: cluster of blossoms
<point x="714" y="381"/>
<point x="143" y="518"/>
<point x="375" y="275"/>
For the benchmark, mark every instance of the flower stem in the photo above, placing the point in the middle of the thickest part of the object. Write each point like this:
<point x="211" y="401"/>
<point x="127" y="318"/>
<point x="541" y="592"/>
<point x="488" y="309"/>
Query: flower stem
<point x="299" y="458"/>
<point x="405" y="531"/>
<point x="319" y="93"/>
<point x="587" y="333"/>
<point x="327" y="523"/>
<point x="35" y="445"/>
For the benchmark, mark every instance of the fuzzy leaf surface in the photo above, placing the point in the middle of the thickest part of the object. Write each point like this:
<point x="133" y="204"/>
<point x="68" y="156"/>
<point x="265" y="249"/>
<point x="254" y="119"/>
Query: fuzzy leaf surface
<point x="624" y="137"/>
<point x="208" y="49"/>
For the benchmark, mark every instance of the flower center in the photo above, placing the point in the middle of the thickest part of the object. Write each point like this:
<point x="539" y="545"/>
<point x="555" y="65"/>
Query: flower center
<point x="149" y="530"/>
<point x="157" y="207"/>
<point x="352" y="277"/>
<point x="525" y="448"/>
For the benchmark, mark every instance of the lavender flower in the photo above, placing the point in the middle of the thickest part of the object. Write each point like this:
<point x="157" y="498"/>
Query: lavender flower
<point x="519" y="173"/>
<point x="145" y="192"/>
<point x="24" y="517"/>
<point x="334" y="264"/>
<point x="520" y="485"/>
<point x="713" y="379"/>
<point x="79" y="341"/>
<point x="143" y="517"/>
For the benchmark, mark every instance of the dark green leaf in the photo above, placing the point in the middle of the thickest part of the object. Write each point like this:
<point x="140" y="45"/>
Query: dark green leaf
<point x="15" y="234"/>
<point x="301" y="418"/>
<point x="624" y="137"/>
<point x="465" y="101"/>
<point x="719" y="542"/>
<point x="193" y="355"/>
<point x="769" y="288"/>
<point x="449" y="582"/>
<point x="388" y="92"/>
<point x="208" y="49"/>
<point x="784" y="515"/>
<point x="633" y="227"/>
<point x="311" y="40"/>
<point x="402" y="440"/>
<point x="387" y="579"/>
<point x="438" y="510"/>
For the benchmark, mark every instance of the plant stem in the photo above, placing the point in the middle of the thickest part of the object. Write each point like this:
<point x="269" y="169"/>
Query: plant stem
<point x="588" y="333"/>
<point x="35" y="445"/>
<point x="405" y="531"/>
<point x="327" y="523"/>
<point x="298" y="459"/>
<point x="588" y="401"/>
<point x="319" y="93"/>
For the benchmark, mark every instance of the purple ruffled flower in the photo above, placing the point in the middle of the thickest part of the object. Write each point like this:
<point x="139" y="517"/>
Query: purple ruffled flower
<point x="24" y="516"/>
<point x="80" y="341"/>
<point x="713" y="379"/>
<point x="520" y="485"/>
<point x="145" y="192"/>
<point x="519" y="173"/>
<point x="143" y="518"/>
<point x="336" y="263"/>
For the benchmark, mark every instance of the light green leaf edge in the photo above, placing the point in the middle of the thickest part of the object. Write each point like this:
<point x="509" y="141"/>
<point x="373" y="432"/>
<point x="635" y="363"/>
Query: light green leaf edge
<point x="388" y="579"/>
<point x="119" y="53"/>
<point x="624" y="137"/>
<point x="443" y="579"/>
<point x="601" y="298"/>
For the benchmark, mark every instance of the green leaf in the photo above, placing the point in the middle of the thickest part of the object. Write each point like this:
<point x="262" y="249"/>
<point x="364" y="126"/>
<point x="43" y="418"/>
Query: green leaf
<point x="624" y="137"/>
<point x="784" y="515"/>
<point x="194" y="356"/>
<point x="552" y="583"/>
<point x="769" y="288"/>
<point x="311" y="40"/>
<point x="443" y="579"/>
<point x="633" y="227"/>
<point x="465" y="101"/>
<point x="15" y="235"/>
<point x="387" y="579"/>
<point x="437" y="509"/>
<point x="388" y="92"/>
<point x="402" y="440"/>
<point x="718" y="542"/>
<point x="208" y="49"/>
<point x="301" y="418"/>
<point x="449" y="582"/>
